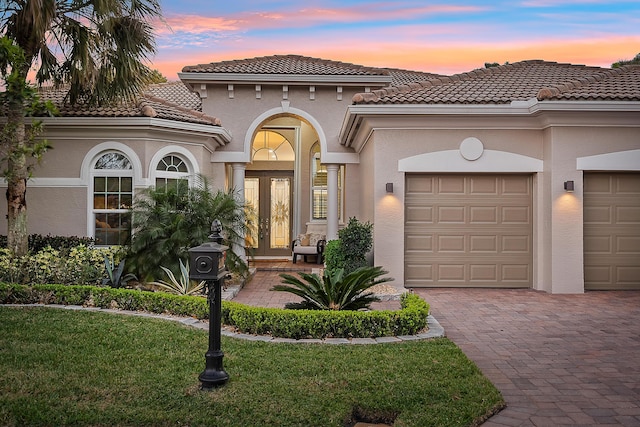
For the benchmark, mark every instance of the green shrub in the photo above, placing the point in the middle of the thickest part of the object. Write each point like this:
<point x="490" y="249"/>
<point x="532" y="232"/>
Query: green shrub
<point x="350" y="250"/>
<point x="80" y="265"/>
<point x="37" y="242"/>
<point x="333" y="256"/>
<point x="298" y="324"/>
<point x="284" y="323"/>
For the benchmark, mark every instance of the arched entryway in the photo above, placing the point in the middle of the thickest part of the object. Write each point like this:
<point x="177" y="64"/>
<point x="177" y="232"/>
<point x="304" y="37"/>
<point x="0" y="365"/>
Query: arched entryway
<point x="277" y="183"/>
<point x="268" y="190"/>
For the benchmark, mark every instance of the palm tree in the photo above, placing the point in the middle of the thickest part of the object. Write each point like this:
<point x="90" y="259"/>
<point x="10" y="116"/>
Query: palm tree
<point x="167" y="222"/>
<point x="98" y="48"/>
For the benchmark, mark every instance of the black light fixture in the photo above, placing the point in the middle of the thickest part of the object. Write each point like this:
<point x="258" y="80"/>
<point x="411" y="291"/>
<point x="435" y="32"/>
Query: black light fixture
<point x="389" y="187"/>
<point x="568" y="186"/>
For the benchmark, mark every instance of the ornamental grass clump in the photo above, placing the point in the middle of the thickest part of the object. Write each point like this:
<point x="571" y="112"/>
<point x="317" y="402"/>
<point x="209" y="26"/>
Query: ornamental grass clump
<point x="335" y="290"/>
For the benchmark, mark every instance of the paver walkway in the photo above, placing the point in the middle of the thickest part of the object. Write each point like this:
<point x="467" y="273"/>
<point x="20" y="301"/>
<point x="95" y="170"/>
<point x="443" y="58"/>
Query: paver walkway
<point x="257" y="291"/>
<point x="557" y="359"/>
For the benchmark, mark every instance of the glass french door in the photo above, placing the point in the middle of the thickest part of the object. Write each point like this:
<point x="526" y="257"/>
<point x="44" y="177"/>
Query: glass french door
<point x="269" y="195"/>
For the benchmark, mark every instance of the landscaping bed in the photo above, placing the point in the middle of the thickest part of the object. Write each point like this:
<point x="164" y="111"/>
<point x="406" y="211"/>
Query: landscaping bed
<point x="284" y="323"/>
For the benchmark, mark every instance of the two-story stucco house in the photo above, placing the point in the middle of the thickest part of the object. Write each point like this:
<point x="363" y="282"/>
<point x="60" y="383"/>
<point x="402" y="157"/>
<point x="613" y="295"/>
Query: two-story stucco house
<point x="522" y="175"/>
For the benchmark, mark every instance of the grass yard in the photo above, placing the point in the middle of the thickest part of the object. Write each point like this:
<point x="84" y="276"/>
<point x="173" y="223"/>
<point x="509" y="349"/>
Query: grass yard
<point x="60" y="367"/>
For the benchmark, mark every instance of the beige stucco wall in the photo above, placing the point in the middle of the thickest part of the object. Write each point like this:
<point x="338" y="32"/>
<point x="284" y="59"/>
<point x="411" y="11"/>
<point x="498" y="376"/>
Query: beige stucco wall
<point x="239" y="113"/>
<point x="380" y="156"/>
<point x="62" y="212"/>
<point x="57" y="196"/>
<point x="562" y="248"/>
<point x="245" y="110"/>
<point x="558" y="215"/>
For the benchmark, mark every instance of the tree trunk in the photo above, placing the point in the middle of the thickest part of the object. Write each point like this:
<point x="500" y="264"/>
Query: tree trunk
<point x="17" y="234"/>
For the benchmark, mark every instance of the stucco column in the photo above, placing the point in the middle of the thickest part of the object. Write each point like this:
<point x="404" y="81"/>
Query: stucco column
<point x="237" y="182"/>
<point x="332" y="201"/>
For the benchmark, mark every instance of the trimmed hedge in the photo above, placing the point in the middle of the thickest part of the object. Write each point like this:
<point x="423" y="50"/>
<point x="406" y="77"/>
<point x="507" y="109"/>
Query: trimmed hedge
<point x="295" y="324"/>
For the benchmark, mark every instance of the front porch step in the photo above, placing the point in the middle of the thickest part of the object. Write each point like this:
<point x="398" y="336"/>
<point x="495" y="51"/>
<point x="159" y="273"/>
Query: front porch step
<point x="285" y="265"/>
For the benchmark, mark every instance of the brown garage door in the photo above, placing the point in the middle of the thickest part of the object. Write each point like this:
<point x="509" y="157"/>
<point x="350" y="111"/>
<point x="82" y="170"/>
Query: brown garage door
<point x="468" y="230"/>
<point x="611" y="231"/>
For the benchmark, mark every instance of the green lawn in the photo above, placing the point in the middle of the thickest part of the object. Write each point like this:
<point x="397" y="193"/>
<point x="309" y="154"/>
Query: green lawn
<point x="60" y="367"/>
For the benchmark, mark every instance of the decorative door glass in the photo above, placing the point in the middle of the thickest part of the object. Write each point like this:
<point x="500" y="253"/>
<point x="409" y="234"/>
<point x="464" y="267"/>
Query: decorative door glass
<point x="267" y="195"/>
<point x="252" y="200"/>
<point x="280" y="213"/>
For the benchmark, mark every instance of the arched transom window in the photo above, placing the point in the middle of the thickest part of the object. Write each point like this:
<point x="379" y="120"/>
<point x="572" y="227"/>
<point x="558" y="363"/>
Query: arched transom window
<point x="272" y="146"/>
<point x="112" y="198"/>
<point x="172" y="173"/>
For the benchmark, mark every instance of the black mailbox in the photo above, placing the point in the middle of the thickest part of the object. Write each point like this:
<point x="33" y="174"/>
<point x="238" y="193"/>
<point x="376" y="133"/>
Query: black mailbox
<point x="206" y="262"/>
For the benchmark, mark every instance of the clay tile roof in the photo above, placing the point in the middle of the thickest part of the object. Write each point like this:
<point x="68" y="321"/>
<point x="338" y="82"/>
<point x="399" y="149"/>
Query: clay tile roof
<point x="513" y="82"/>
<point x="403" y="77"/>
<point x="176" y="93"/>
<point x="169" y="101"/>
<point x="621" y="84"/>
<point x="286" y="64"/>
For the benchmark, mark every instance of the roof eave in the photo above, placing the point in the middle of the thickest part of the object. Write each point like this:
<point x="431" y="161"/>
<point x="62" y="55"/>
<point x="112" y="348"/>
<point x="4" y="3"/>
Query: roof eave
<point x="289" y="79"/>
<point x="356" y="127"/>
<point x="215" y="136"/>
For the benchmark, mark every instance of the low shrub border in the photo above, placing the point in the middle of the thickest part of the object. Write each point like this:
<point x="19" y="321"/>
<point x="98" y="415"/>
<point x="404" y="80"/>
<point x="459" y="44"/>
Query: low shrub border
<point x="283" y="323"/>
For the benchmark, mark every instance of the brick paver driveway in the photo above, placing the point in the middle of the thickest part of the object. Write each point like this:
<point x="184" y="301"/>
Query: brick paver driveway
<point x="557" y="359"/>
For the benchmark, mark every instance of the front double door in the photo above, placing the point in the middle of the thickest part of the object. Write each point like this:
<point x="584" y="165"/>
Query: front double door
<point x="268" y="195"/>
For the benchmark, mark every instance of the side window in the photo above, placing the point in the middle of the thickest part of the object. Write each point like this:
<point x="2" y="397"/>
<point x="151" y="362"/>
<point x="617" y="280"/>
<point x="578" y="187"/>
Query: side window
<point x="172" y="173"/>
<point x="112" y="179"/>
<point x="319" y="187"/>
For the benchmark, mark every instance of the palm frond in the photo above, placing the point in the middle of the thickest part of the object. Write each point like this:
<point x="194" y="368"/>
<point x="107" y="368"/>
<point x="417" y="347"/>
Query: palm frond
<point x="102" y="46"/>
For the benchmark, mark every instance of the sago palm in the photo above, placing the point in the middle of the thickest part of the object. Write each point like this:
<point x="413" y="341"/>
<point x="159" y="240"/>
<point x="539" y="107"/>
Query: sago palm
<point x="335" y="290"/>
<point x="96" y="48"/>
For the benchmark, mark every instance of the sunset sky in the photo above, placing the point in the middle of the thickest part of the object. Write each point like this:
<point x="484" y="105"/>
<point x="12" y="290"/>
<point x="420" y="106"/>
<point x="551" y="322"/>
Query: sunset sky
<point x="440" y="37"/>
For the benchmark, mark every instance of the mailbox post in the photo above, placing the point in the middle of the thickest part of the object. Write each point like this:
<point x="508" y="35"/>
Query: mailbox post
<point x="207" y="262"/>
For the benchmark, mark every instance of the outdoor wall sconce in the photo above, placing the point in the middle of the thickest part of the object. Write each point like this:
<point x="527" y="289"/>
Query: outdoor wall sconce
<point x="568" y="186"/>
<point x="389" y="187"/>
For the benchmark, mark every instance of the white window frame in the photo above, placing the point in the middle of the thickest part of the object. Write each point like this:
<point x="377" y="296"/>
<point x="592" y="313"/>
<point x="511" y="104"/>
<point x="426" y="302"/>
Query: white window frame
<point x="167" y="175"/>
<point x="173" y="150"/>
<point x="96" y="173"/>
<point x="87" y="168"/>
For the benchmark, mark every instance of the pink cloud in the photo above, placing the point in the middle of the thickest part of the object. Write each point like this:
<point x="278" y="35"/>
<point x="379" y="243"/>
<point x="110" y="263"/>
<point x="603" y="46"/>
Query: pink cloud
<point x="379" y="12"/>
<point x="305" y="17"/>
<point x="560" y="3"/>
<point x="442" y="57"/>
<point x="197" y="24"/>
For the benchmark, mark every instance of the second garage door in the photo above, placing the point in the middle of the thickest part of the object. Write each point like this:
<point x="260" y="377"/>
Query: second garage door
<point x="468" y="230"/>
<point x="611" y="231"/>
